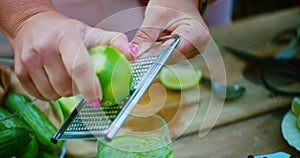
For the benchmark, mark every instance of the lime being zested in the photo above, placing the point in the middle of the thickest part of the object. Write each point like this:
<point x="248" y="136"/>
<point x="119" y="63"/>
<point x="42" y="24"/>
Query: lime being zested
<point x="114" y="73"/>
<point x="68" y="104"/>
<point x="133" y="146"/>
<point x="180" y="77"/>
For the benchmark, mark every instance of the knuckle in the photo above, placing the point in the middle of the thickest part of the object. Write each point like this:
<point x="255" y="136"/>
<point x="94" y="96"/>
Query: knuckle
<point x="44" y="53"/>
<point x="20" y="73"/>
<point x="28" y="57"/>
<point x="143" y="34"/>
<point x="205" y="36"/>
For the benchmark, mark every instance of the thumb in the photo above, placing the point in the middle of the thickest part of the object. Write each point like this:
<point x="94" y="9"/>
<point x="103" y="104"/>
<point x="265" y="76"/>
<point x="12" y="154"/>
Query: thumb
<point x="145" y="38"/>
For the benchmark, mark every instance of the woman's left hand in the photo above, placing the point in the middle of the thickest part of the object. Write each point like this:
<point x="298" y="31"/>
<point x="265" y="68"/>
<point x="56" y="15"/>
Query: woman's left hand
<point x="163" y="17"/>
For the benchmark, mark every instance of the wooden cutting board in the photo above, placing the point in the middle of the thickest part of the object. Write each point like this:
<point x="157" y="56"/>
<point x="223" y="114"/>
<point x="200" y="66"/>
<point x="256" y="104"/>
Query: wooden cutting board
<point x="196" y="109"/>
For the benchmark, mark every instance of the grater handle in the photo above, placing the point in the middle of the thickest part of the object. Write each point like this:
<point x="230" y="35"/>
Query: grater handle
<point x="143" y="85"/>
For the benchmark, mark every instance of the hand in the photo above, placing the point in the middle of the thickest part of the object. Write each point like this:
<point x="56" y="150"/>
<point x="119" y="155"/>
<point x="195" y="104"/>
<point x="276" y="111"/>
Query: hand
<point x="52" y="59"/>
<point x="174" y="16"/>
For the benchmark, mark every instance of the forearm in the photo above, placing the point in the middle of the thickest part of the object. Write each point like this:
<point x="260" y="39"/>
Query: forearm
<point x="14" y="13"/>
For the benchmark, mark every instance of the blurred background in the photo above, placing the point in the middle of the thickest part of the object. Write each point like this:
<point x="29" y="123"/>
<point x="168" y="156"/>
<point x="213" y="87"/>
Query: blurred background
<point x="244" y="8"/>
<point x="223" y="12"/>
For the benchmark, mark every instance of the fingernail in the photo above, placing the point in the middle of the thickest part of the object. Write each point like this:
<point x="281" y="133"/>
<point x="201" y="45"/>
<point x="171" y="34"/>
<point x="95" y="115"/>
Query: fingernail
<point x="95" y="103"/>
<point x="134" y="49"/>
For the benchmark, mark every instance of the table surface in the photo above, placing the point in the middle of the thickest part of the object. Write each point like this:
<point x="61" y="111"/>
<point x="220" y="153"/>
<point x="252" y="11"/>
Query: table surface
<point x="253" y="136"/>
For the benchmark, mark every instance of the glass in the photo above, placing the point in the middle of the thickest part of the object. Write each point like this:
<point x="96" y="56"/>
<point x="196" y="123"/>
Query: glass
<point x="141" y="136"/>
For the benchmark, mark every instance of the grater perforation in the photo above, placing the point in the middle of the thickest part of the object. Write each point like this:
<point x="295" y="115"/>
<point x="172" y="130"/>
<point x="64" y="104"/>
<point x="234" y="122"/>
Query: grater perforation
<point x="86" y="122"/>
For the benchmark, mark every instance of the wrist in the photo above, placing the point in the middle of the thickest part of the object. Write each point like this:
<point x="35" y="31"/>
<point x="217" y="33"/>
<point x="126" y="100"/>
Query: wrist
<point x="14" y="13"/>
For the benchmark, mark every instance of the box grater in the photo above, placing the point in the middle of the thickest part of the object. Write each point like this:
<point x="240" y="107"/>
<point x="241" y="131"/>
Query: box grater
<point x="86" y="122"/>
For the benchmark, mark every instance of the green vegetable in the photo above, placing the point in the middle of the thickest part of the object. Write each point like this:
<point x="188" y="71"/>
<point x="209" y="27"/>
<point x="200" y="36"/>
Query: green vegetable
<point x="35" y="119"/>
<point x="14" y="141"/>
<point x="32" y="148"/>
<point x="45" y="154"/>
<point x="11" y="122"/>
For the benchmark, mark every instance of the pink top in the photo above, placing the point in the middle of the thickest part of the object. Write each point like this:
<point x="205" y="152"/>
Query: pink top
<point x="93" y="12"/>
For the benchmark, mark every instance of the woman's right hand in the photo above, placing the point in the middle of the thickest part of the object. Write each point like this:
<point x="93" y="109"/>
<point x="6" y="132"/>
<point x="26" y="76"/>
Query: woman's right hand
<point x="52" y="59"/>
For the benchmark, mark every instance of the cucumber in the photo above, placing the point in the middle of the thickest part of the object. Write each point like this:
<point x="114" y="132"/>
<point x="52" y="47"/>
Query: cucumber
<point x="32" y="148"/>
<point x="14" y="141"/>
<point x="12" y="122"/>
<point x="35" y="119"/>
<point x="45" y="154"/>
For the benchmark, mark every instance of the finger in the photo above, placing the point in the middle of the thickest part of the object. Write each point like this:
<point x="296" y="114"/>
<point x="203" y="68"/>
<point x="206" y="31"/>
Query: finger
<point x="146" y="37"/>
<point x="57" y="74"/>
<point x="96" y="37"/>
<point x="122" y="44"/>
<point x="77" y="62"/>
<point x="26" y="81"/>
<point x="193" y="36"/>
<point x="36" y="72"/>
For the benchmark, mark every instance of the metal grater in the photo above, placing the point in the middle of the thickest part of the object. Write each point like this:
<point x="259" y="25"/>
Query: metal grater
<point x="86" y="122"/>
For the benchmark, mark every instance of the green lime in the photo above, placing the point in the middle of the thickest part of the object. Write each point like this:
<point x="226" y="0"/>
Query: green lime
<point x="114" y="73"/>
<point x="128" y="146"/>
<point x="68" y="104"/>
<point x="179" y="77"/>
<point x="296" y="106"/>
